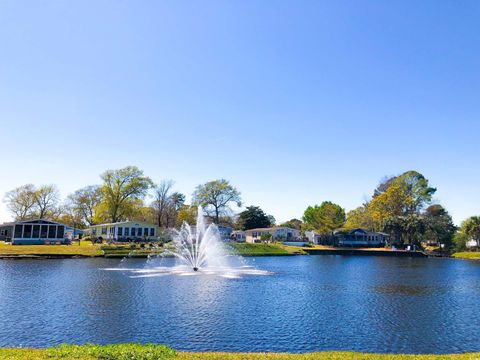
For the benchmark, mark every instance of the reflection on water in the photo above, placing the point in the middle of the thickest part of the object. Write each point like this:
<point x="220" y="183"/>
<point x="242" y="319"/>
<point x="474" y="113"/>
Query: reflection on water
<point x="398" y="289"/>
<point x="307" y="303"/>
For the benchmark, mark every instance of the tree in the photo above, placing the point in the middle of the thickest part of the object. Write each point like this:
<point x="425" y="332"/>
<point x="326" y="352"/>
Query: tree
<point x="175" y="203"/>
<point x="414" y="186"/>
<point x="439" y="226"/>
<point x="161" y="201"/>
<point x="215" y="198"/>
<point x="85" y="202"/>
<point x="187" y="214"/>
<point x="293" y="224"/>
<point x="471" y="228"/>
<point x="359" y="218"/>
<point x="123" y="191"/>
<point x="405" y="229"/>
<point x="253" y="217"/>
<point x="47" y="198"/>
<point x="391" y="203"/>
<point x="21" y="201"/>
<point x="324" y="218"/>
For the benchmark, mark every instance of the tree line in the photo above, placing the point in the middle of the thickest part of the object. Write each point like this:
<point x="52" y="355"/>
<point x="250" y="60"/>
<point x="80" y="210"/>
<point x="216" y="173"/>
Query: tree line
<point x="401" y="206"/>
<point x="123" y="194"/>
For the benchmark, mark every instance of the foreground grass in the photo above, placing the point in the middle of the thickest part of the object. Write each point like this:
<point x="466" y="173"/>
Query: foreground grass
<point x="467" y="255"/>
<point x="160" y="352"/>
<point x="261" y="249"/>
<point x="85" y="249"/>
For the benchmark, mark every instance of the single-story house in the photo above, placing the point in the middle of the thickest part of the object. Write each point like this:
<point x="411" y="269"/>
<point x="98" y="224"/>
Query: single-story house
<point x="313" y="237"/>
<point x="33" y="232"/>
<point x="472" y="243"/>
<point x="225" y="232"/>
<point x="124" y="231"/>
<point x="238" y="236"/>
<point x="279" y="233"/>
<point x="361" y="238"/>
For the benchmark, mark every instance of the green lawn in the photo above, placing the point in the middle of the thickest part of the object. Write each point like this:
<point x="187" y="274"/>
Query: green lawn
<point x="85" y="249"/>
<point x="467" y="255"/>
<point x="261" y="249"/>
<point x="160" y="352"/>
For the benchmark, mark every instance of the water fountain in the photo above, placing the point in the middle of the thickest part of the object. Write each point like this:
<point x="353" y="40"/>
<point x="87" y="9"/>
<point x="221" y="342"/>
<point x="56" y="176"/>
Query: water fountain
<point x="199" y="250"/>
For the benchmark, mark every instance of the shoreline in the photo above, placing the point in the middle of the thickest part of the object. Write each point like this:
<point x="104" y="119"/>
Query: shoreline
<point x="161" y="352"/>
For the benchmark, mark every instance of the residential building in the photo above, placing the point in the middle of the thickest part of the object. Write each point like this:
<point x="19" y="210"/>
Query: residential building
<point x="124" y="231"/>
<point x="276" y="234"/>
<point x="361" y="238"/>
<point x="313" y="237"/>
<point x="238" y="236"/>
<point x="225" y="232"/>
<point x="33" y="232"/>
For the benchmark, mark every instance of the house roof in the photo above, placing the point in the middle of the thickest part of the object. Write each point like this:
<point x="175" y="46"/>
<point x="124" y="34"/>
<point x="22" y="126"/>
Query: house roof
<point x="271" y="228"/>
<point x="34" y="222"/>
<point x="124" y="223"/>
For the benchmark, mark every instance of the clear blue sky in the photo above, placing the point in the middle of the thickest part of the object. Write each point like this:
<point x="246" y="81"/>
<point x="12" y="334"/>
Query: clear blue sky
<point x="294" y="102"/>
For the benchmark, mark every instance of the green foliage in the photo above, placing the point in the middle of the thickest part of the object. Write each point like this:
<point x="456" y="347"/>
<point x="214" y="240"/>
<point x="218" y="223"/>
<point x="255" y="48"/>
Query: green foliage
<point x="439" y="226"/>
<point x="293" y="224"/>
<point x="161" y="352"/>
<point x="473" y="255"/>
<point x="187" y="214"/>
<point x="123" y="191"/>
<point x="113" y="352"/>
<point x="324" y="218"/>
<point x="215" y="198"/>
<point x="253" y="217"/>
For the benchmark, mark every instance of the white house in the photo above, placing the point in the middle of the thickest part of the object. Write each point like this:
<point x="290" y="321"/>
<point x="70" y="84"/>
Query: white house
<point x="238" y="236"/>
<point x="124" y="231"/>
<point x="276" y="234"/>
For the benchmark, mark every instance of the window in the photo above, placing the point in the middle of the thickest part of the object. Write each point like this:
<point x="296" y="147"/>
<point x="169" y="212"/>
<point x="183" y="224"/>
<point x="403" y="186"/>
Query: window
<point x="52" y="232"/>
<point x="133" y="231"/>
<point x="127" y="231"/>
<point x="104" y="231"/>
<point x="44" y="231"/>
<point x="145" y="232"/>
<point x="94" y="231"/>
<point x="120" y="231"/>
<point x="152" y="231"/>
<point x="27" y="231"/>
<point x="36" y="231"/>
<point x="18" y="231"/>
<point x="111" y="230"/>
<point x="60" y="232"/>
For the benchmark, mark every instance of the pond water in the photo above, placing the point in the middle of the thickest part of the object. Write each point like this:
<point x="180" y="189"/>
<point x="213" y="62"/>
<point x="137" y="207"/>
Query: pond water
<point x="310" y="303"/>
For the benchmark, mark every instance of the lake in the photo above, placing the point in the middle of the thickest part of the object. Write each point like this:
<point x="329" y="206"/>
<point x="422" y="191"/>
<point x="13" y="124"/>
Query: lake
<point x="310" y="303"/>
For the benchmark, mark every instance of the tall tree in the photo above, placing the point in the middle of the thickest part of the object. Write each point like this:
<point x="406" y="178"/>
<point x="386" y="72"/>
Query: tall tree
<point x="47" y="199"/>
<point x="21" y="201"/>
<point x="162" y="200"/>
<point x="253" y="217"/>
<point x="471" y="228"/>
<point x="394" y="201"/>
<point x="187" y="214"/>
<point x="359" y="218"/>
<point x="324" y="218"/>
<point x="215" y="197"/>
<point x="85" y="202"/>
<point x="439" y="226"/>
<point x="123" y="190"/>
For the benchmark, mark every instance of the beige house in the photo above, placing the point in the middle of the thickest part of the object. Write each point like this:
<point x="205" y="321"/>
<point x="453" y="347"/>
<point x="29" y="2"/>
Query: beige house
<point x="124" y="231"/>
<point x="276" y="234"/>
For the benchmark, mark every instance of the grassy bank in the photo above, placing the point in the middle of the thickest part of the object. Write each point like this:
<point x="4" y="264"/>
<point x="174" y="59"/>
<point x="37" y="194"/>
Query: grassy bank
<point x="160" y="352"/>
<point x="85" y="249"/>
<point x="260" y="249"/>
<point x="467" y="255"/>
